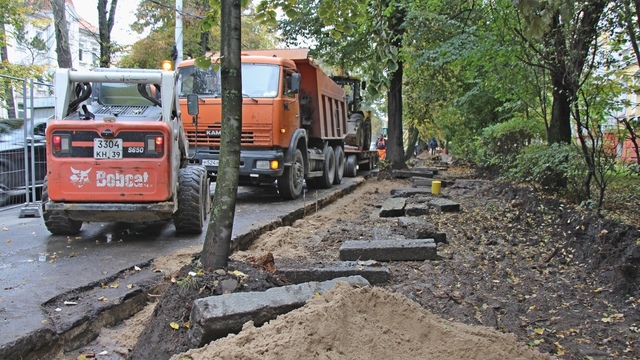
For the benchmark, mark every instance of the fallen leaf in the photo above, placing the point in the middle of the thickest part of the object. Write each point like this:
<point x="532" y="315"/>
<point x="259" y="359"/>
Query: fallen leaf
<point x="174" y="325"/>
<point x="9" y="241"/>
<point x="114" y="285"/>
<point x="130" y="286"/>
<point x="136" y="268"/>
<point x="5" y="229"/>
<point x="187" y="324"/>
<point x="539" y="331"/>
<point x="238" y="273"/>
<point x="104" y="299"/>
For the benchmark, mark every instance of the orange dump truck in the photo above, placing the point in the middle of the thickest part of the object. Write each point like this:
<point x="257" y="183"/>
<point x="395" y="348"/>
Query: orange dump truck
<point x="294" y="120"/>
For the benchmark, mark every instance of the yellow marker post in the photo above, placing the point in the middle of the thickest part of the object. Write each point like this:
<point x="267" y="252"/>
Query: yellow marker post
<point x="435" y="187"/>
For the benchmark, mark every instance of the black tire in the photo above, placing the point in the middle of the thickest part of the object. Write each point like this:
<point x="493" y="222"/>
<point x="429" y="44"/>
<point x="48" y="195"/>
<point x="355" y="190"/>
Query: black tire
<point x="366" y="134"/>
<point x="339" y="156"/>
<point x="328" y="169"/>
<point x="291" y="181"/>
<point x="193" y="195"/>
<point x="351" y="166"/>
<point x="58" y="222"/>
<point x="368" y="165"/>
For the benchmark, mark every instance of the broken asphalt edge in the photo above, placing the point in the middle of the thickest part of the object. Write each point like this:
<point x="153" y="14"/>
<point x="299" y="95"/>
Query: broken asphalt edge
<point x="53" y="338"/>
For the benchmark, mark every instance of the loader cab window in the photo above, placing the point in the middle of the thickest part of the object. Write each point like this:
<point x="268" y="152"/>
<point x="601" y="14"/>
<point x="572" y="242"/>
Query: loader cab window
<point x="204" y="82"/>
<point x="122" y="94"/>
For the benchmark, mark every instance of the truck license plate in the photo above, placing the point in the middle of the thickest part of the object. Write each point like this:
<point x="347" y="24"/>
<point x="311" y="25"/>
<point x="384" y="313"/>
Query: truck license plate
<point x="107" y="148"/>
<point x="209" y="162"/>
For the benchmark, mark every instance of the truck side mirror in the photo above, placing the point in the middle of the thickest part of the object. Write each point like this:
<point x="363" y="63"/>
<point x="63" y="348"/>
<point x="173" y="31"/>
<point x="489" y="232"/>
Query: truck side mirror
<point x="192" y="104"/>
<point x="295" y="83"/>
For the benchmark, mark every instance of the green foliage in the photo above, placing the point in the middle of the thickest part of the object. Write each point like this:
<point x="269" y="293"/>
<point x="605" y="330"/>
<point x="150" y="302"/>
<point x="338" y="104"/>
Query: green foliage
<point x="501" y="143"/>
<point x="201" y="26"/>
<point x="547" y="165"/>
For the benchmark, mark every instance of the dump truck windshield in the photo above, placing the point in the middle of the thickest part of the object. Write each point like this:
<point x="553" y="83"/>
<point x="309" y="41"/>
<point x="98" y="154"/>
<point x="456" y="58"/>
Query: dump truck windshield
<point x="258" y="80"/>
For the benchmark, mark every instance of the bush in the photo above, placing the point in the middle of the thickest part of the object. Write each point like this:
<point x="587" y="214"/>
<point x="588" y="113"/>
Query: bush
<point x="501" y="143"/>
<point x="554" y="167"/>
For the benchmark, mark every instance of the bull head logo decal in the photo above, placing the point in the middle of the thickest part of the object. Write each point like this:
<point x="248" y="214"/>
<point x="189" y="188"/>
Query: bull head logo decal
<point x="80" y="177"/>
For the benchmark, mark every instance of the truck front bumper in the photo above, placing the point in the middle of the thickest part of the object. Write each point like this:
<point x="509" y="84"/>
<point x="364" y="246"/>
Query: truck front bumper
<point x="253" y="163"/>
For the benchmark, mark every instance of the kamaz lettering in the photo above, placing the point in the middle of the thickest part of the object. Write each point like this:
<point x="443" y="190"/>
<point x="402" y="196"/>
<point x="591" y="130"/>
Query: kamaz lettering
<point x="119" y="180"/>
<point x="213" y="133"/>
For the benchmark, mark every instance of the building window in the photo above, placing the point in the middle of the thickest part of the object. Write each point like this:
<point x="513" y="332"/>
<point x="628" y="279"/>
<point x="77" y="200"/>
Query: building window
<point x="80" y="55"/>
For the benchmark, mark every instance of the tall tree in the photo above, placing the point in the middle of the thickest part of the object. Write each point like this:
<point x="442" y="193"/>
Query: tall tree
<point x="106" y="19"/>
<point x="62" y="33"/>
<point x="359" y="36"/>
<point x="215" y="252"/>
<point x="568" y="31"/>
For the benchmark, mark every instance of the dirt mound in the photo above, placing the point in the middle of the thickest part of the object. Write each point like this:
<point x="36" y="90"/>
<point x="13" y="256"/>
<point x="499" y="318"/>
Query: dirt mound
<point x="364" y="323"/>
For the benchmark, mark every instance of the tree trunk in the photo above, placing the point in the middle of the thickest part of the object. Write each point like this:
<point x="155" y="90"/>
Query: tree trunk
<point x="395" y="151"/>
<point x="105" y="25"/>
<point x="412" y="147"/>
<point x="62" y="34"/>
<point x="215" y="253"/>
<point x="559" y="130"/>
<point x="8" y="86"/>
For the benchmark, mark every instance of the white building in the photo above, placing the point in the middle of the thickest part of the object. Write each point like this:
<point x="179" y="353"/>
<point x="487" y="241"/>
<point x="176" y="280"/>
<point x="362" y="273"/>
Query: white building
<point x="37" y="46"/>
<point x="83" y="40"/>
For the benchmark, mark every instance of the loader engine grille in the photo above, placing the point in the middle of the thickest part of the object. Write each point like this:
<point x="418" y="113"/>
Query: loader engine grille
<point x="122" y="110"/>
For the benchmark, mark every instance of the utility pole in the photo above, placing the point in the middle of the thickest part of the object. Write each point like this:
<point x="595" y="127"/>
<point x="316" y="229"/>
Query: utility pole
<point x="178" y="33"/>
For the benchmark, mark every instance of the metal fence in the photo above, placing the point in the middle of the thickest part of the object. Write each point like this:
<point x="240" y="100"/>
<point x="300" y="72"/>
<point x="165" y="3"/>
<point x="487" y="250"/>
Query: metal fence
<point x="23" y="163"/>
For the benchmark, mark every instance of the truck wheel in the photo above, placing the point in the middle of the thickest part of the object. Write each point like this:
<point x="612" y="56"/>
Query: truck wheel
<point x="350" y="166"/>
<point x="328" y="169"/>
<point x="369" y="165"/>
<point x="58" y="222"/>
<point x="193" y="201"/>
<point x="339" y="155"/>
<point x="290" y="183"/>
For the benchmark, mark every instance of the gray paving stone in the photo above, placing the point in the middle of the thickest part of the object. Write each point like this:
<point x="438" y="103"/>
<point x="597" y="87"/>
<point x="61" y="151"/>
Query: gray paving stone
<point x="420" y="228"/>
<point x="409" y="192"/>
<point x="389" y="250"/>
<point x="416" y="209"/>
<point x="405" y="174"/>
<point x="445" y="205"/>
<point x="217" y="316"/>
<point x="392" y="207"/>
<point x="425" y="182"/>
<point x="371" y="270"/>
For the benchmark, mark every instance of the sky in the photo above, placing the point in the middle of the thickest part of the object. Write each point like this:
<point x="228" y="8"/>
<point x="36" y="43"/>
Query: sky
<point x="125" y="15"/>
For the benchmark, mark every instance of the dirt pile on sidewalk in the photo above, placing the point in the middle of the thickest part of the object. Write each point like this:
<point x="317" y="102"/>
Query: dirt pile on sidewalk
<point x="364" y="323"/>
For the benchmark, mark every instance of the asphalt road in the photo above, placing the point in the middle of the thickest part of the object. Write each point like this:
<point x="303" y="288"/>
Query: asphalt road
<point x="36" y="266"/>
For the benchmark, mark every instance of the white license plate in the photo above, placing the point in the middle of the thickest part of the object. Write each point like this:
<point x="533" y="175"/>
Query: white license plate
<point x="107" y="148"/>
<point x="209" y="162"/>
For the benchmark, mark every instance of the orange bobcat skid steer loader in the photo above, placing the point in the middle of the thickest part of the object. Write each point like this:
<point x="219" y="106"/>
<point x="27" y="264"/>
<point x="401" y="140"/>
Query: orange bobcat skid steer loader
<point x="116" y="152"/>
